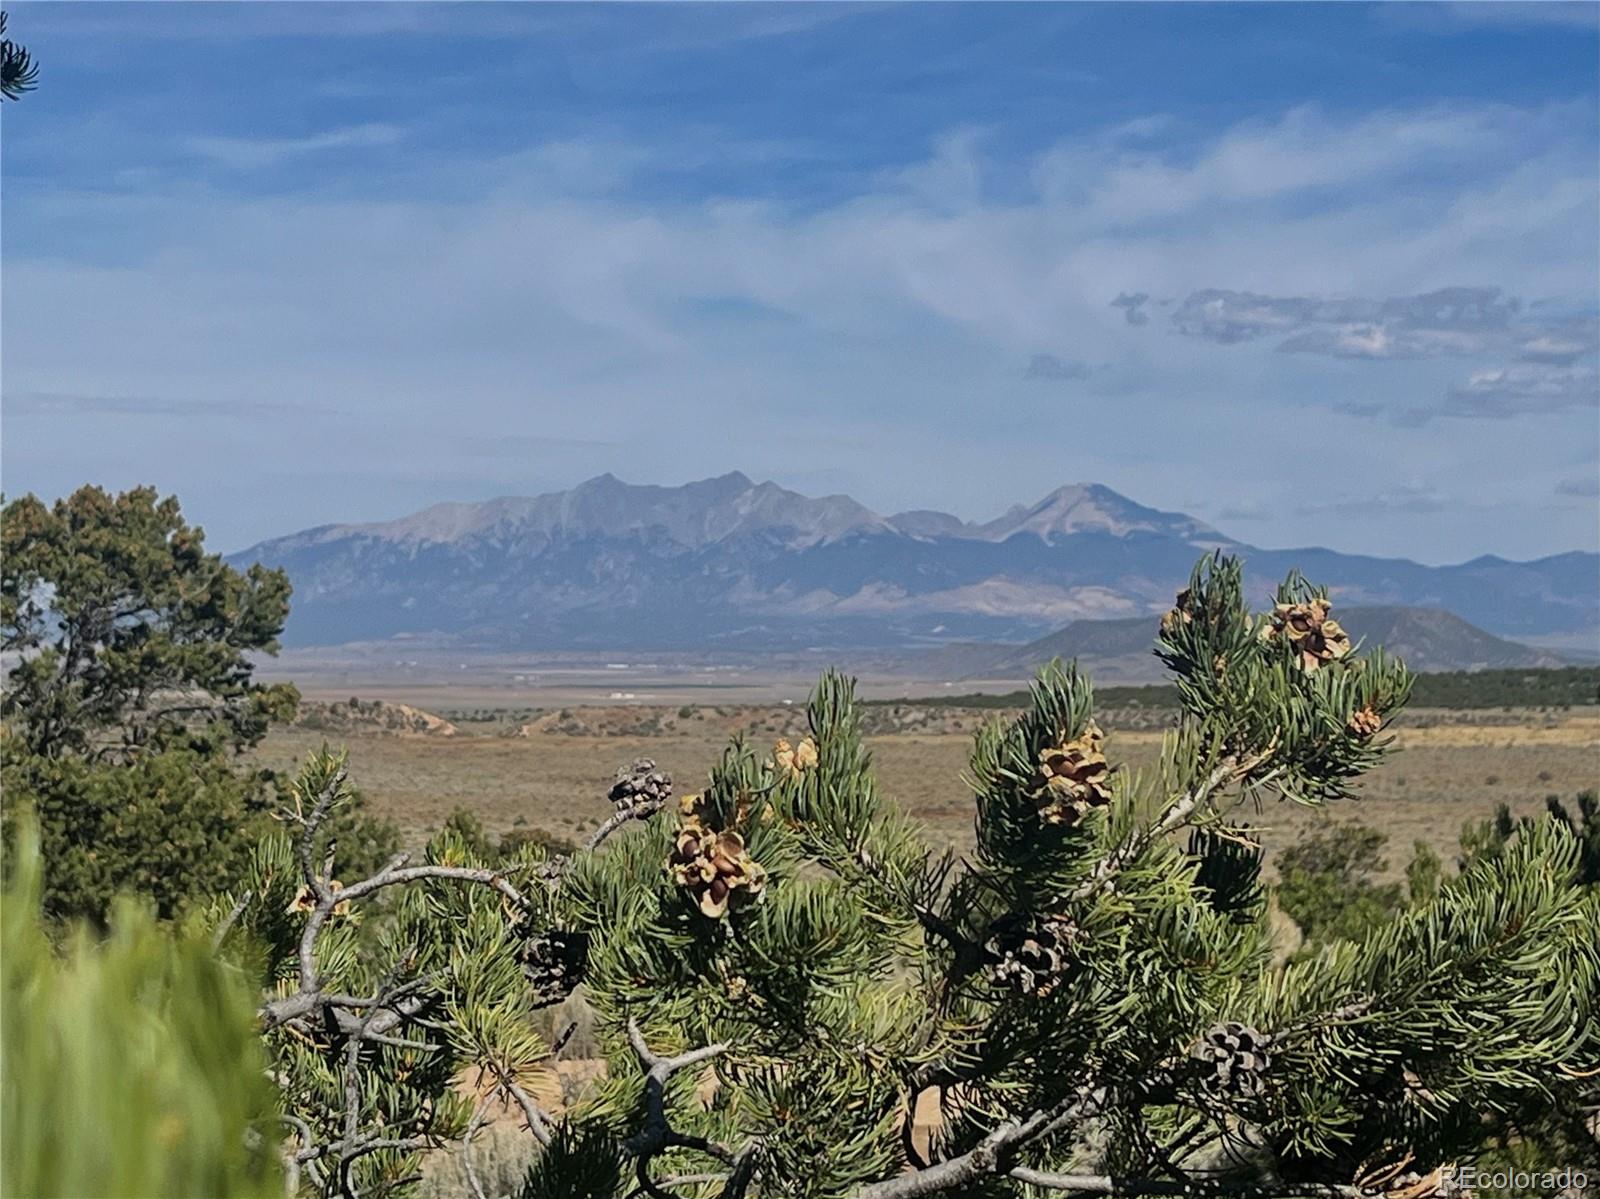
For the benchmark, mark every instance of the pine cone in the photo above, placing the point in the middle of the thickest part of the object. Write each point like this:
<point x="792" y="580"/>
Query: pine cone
<point x="1234" y="1059"/>
<point x="641" y="788"/>
<point x="792" y="760"/>
<point x="714" y="866"/>
<point x="1072" y="778"/>
<point x="1182" y="612"/>
<point x="305" y="900"/>
<point x="553" y="960"/>
<point x="1030" y="955"/>
<point x="1316" y="638"/>
<point x="1364" y="722"/>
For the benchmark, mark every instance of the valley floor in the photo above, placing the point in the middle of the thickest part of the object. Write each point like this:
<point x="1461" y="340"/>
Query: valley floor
<point x="549" y="769"/>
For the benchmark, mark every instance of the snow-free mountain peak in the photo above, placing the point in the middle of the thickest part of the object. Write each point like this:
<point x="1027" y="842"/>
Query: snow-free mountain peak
<point x="1092" y="508"/>
<point x="728" y="561"/>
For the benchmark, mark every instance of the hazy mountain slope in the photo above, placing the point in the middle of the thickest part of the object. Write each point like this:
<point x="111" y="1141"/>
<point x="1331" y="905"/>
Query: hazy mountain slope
<point x="1091" y="508"/>
<point x="730" y="562"/>
<point x="1427" y="638"/>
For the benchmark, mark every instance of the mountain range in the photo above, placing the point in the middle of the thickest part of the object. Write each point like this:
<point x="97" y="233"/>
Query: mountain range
<point x="1119" y="651"/>
<point x="730" y="563"/>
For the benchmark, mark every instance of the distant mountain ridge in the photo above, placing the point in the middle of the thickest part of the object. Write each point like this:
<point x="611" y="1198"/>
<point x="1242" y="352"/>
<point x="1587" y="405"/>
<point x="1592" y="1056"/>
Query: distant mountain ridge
<point x="728" y="562"/>
<point x="703" y="513"/>
<point x="1429" y="639"/>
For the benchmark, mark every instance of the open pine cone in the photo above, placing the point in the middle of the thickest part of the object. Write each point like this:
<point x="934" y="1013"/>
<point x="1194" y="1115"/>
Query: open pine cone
<point x="305" y="899"/>
<point x="712" y="864"/>
<point x="792" y="760"/>
<point x="1181" y="613"/>
<point x="1072" y="778"/>
<point x="1316" y="639"/>
<point x="1364" y="722"/>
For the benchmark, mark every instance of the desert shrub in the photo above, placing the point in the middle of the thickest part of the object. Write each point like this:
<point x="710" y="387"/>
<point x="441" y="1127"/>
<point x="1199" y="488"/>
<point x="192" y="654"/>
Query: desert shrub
<point x="1326" y="883"/>
<point x="170" y="826"/>
<point x="465" y="826"/>
<point x="514" y="841"/>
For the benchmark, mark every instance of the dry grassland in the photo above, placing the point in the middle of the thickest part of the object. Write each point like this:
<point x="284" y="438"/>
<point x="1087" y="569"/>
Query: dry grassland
<point x="1453" y="766"/>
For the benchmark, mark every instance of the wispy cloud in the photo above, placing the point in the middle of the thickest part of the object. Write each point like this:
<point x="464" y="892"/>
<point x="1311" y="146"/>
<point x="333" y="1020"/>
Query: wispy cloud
<point x="1413" y="498"/>
<point x="1449" y="322"/>
<point x="1524" y="390"/>
<point x="1543" y="343"/>
<point x="1452" y="16"/>
<point x="1583" y="488"/>
<point x="252" y="154"/>
<point x="1049" y="366"/>
<point x="560" y="299"/>
<point x="45" y="403"/>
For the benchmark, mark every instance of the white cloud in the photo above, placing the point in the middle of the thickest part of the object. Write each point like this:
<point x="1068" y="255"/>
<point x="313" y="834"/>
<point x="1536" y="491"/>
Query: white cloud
<point x="1304" y="150"/>
<point x="1524" y="390"/>
<point x="1449" y="16"/>
<point x="253" y="154"/>
<point x="560" y="304"/>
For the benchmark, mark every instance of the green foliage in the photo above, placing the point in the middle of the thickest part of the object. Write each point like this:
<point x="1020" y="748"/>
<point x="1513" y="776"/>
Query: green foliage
<point x="132" y="1066"/>
<point x="1424" y="873"/>
<point x="464" y="825"/>
<point x="1326" y="883"/>
<point x="582" y="1162"/>
<point x="1556" y="687"/>
<point x="1561" y="687"/>
<point x="1490" y="838"/>
<point x="129" y="690"/>
<point x="449" y="955"/>
<point x="481" y="845"/>
<point x="1475" y="1011"/>
<point x="781" y="968"/>
<point x="365" y="841"/>
<point x="514" y="841"/>
<point x="1082" y="955"/>
<point x="1562" y="1130"/>
<point x="1081" y="951"/>
<point x="129" y="635"/>
<point x="1331" y="893"/>
<point x="170" y="826"/>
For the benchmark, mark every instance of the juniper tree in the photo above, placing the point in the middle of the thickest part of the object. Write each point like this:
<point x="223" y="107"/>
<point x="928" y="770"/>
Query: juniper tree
<point x="784" y="973"/>
<point x="125" y="635"/>
<point x="130" y="695"/>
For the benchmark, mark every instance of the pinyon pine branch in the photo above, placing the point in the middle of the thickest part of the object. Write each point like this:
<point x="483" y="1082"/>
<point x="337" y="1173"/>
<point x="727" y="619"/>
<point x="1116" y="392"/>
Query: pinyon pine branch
<point x="1093" y="999"/>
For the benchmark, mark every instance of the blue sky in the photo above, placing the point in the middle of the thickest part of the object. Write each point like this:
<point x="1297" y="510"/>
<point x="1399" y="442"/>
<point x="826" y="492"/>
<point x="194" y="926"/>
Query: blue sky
<point x="1319" y="274"/>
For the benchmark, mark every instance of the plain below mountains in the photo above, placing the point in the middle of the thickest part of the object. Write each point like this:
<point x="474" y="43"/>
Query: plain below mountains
<point x="729" y="564"/>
